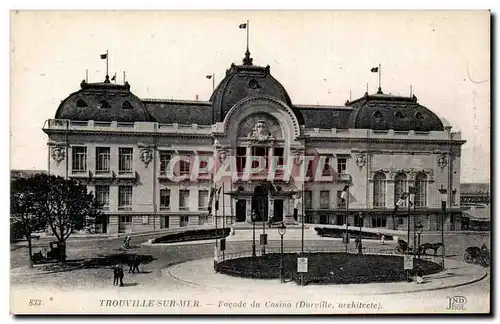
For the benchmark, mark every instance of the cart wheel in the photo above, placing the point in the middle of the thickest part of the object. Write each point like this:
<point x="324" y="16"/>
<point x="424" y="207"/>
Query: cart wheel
<point x="468" y="258"/>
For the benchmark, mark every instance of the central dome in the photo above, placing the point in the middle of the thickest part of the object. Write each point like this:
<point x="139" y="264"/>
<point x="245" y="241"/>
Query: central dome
<point x="244" y="81"/>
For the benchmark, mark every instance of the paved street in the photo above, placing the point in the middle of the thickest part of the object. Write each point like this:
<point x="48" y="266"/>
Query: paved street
<point x="153" y="276"/>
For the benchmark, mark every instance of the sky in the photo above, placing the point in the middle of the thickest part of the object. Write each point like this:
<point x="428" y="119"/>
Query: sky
<point x="320" y="57"/>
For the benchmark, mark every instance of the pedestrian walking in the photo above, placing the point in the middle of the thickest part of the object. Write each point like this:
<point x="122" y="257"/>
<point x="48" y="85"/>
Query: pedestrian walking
<point x="118" y="275"/>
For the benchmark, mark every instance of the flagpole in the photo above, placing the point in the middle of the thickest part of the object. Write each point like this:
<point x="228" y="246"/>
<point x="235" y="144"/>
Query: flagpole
<point x="123" y="77"/>
<point x="107" y="58"/>
<point x="213" y="82"/>
<point x="379" y="76"/>
<point x="87" y="75"/>
<point x="248" y="32"/>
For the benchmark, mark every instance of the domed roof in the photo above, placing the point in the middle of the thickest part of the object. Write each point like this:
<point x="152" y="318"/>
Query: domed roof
<point x="103" y="102"/>
<point x="383" y="112"/>
<point x="244" y="81"/>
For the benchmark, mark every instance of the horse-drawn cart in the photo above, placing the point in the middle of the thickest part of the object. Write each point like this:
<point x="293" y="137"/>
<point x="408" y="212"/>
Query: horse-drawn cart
<point x="53" y="254"/>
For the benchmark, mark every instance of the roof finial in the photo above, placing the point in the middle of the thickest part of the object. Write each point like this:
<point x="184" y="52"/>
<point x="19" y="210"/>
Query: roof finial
<point x="247" y="60"/>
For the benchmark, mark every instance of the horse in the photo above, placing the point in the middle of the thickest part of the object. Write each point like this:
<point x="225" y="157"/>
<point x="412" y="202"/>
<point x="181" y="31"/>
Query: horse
<point x="133" y="262"/>
<point x="118" y="275"/>
<point x="433" y="246"/>
<point x="402" y="246"/>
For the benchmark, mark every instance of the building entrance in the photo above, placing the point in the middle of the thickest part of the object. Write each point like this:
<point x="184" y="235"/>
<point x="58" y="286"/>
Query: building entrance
<point x="260" y="203"/>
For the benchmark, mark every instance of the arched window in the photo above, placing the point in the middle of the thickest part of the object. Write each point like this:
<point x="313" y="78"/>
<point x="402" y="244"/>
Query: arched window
<point x="80" y="103"/>
<point x="400" y="187"/>
<point x="103" y="104"/>
<point x="379" y="190"/>
<point x="421" y="190"/>
<point x="126" y="105"/>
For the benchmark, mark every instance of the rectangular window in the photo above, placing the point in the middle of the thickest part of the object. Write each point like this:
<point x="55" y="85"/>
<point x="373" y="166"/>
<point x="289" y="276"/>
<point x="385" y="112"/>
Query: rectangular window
<point x="184" y="199"/>
<point x="125" y="197"/>
<point x="324" y="199"/>
<point x="280" y="153"/>
<point x="125" y="160"/>
<point x="308" y="199"/>
<point x="102" y="158"/>
<point x="79" y="158"/>
<point x="202" y="199"/>
<point x="164" y="161"/>
<point x="401" y="221"/>
<point x="184" y="165"/>
<point x="164" y="199"/>
<point x="184" y="221"/>
<point x="125" y="219"/>
<point x="102" y="196"/>
<point x="379" y="221"/>
<point x="341" y="165"/>
<point x="260" y="151"/>
<point x="241" y="158"/>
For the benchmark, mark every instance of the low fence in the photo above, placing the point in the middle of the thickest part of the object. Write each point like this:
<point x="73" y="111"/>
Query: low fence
<point x="333" y="249"/>
<point x="436" y="263"/>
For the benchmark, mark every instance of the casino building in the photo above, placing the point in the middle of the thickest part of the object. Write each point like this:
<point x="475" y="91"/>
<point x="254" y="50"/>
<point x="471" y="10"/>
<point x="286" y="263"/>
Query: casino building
<point x="379" y="145"/>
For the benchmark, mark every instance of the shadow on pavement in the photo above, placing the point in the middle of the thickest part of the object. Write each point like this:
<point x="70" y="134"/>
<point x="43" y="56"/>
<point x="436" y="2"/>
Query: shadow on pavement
<point x="130" y="284"/>
<point x="106" y="261"/>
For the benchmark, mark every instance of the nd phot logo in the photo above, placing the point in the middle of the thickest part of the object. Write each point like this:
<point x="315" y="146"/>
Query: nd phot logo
<point x="456" y="303"/>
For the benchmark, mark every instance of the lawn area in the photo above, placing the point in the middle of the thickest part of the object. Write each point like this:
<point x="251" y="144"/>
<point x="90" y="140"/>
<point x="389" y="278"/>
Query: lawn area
<point x="326" y="268"/>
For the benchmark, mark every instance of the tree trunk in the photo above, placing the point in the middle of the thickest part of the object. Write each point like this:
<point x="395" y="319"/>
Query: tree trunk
<point x="62" y="251"/>
<point x="30" y="250"/>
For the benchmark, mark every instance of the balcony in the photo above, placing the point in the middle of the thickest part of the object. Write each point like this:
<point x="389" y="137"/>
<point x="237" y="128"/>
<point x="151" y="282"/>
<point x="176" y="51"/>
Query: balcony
<point x="80" y="174"/>
<point x="343" y="177"/>
<point x="104" y="175"/>
<point x="126" y="176"/>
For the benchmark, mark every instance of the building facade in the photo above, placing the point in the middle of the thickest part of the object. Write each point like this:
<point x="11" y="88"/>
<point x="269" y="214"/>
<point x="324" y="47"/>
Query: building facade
<point x="379" y="145"/>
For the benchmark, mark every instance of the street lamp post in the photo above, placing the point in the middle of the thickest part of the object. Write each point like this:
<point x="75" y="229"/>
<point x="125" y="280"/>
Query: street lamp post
<point x="254" y="217"/>
<point x="444" y="198"/>
<point x="360" y="245"/>
<point x="282" y="231"/>
<point x="263" y="225"/>
<point x="420" y="228"/>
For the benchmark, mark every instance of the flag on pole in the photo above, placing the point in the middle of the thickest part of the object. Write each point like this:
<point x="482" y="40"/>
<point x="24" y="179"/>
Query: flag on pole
<point x="343" y="195"/>
<point x="217" y="198"/>
<point x="374" y="69"/>
<point x="243" y="26"/>
<point x="209" y="77"/>
<point x="411" y="195"/>
<point x="104" y="56"/>
<point x="211" y="200"/>
<point x="400" y="202"/>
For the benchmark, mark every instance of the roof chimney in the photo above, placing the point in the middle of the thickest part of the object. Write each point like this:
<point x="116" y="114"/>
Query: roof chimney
<point x="197" y="97"/>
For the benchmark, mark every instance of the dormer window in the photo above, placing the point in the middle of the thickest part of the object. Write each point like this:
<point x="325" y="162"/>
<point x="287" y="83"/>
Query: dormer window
<point x="127" y="105"/>
<point x="81" y="104"/>
<point x="103" y="104"/>
<point x="377" y="115"/>
<point x="398" y="115"/>
<point x="419" y="116"/>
